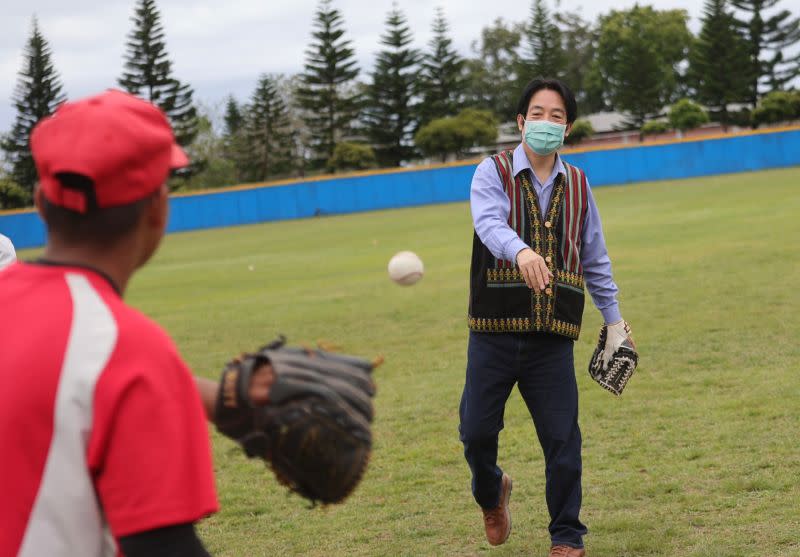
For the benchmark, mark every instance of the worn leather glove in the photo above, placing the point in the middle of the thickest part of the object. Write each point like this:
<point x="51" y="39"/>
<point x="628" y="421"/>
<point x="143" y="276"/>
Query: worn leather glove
<point x="615" y="358"/>
<point x="315" y="431"/>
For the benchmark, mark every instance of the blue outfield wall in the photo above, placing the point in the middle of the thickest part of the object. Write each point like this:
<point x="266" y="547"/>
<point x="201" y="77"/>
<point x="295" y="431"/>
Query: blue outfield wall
<point x="25" y="229"/>
<point x="687" y="159"/>
<point x="384" y="190"/>
<point x="321" y="197"/>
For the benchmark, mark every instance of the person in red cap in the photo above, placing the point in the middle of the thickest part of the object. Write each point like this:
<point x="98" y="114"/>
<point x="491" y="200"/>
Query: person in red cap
<point x="102" y="425"/>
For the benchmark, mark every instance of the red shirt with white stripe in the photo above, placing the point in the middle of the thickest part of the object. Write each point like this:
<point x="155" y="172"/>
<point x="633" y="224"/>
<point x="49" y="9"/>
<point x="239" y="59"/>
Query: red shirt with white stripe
<point x="102" y="430"/>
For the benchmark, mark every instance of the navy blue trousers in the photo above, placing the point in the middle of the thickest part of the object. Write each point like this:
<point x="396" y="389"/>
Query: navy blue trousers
<point x="542" y="367"/>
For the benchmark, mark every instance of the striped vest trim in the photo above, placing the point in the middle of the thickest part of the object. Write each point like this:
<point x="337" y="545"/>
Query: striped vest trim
<point x="499" y="299"/>
<point x="574" y="217"/>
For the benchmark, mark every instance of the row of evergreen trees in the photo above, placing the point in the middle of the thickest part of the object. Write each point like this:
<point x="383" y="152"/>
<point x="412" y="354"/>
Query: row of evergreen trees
<point x="147" y="73"/>
<point x="638" y="61"/>
<point x="428" y="101"/>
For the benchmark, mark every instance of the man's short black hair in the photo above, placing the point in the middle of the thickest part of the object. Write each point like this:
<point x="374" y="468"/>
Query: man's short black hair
<point x="99" y="228"/>
<point x="552" y="84"/>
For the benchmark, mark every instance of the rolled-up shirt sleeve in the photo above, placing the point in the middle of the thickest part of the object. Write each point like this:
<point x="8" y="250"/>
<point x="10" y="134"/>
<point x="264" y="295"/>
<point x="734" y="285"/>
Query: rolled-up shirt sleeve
<point x="597" y="265"/>
<point x="490" y="207"/>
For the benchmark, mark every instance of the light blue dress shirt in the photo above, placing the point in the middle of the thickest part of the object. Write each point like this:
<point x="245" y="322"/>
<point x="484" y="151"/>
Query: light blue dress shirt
<point x="490" y="208"/>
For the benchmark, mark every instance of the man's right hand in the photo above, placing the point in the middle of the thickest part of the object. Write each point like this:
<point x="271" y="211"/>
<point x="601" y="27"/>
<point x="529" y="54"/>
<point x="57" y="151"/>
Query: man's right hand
<point x="533" y="269"/>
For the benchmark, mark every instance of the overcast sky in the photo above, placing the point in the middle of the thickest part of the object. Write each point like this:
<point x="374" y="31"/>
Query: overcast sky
<point x="220" y="47"/>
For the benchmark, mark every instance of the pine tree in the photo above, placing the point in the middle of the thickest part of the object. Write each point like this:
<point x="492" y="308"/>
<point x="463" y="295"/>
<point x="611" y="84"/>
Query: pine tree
<point x="235" y="145"/>
<point x="544" y="51"/>
<point x="267" y="130"/>
<point x="716" y="60"/>
<point x="326" y="88"/>
<point x="442" y="81"/>
<point x="233" y="116"/>
<point x="148" y="72"/>
<point x="37" y="94"/>
<point x="492" y="75"/>
<point x="389" y="112"/>
<point x="769" y="36"/>
<point x="639" y="54"/>
<point x="579" y="39"/>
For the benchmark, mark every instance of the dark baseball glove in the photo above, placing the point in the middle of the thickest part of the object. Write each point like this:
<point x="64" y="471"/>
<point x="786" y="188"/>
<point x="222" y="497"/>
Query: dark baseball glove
<point x="315" y="430"/>
<point x="615" y="358"/>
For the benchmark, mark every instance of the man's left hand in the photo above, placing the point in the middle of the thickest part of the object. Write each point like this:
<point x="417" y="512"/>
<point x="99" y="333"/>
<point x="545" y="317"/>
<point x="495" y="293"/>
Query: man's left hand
<point x="618" y="334"/>
<point x="615" y="358"/>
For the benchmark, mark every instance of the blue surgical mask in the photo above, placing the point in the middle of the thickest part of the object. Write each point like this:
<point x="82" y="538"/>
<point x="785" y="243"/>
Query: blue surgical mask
<point x="543" y="136"/>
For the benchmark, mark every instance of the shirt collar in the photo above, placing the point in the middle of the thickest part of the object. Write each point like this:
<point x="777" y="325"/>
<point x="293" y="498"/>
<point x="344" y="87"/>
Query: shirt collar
<point x="95" y="270"/>
<point x="521" y="163"/>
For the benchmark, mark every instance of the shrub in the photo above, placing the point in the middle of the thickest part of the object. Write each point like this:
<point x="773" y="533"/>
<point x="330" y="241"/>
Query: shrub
<point x="581" y="130"/>
<point x="12" y="195"/>
<point x="456" y="134"/>
<point x="777" y="106"/>
<point x="687" y="115"/>
<point x="351" y="156"/>
<point x="654" y="127"/>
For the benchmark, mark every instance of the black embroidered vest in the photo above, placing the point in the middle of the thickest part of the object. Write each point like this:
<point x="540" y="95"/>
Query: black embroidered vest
<point x="499" y="300"/>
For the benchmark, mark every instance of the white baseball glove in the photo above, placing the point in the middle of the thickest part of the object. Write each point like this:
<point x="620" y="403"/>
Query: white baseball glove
<point x="615" y="358"/>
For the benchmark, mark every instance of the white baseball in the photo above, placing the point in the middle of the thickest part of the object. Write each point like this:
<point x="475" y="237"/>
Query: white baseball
<point x="406" y="268"/>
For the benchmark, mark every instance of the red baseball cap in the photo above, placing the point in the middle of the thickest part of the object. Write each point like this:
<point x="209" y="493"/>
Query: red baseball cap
<point x="123" y="144"/>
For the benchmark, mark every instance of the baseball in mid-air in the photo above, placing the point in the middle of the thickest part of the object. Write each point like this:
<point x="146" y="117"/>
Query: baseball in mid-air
<point x="405" y="268"/>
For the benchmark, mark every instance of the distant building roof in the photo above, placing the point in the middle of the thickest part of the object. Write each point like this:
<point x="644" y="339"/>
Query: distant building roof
<point x="603" y="122"/>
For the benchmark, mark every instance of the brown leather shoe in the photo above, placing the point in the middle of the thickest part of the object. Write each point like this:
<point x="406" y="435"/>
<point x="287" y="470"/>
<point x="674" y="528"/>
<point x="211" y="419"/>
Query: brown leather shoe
<point x="497" y="521"/>
<point x="566" y="551"/>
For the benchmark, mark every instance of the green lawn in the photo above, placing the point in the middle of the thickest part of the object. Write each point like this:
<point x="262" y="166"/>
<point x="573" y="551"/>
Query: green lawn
<point x="699" y="457"/>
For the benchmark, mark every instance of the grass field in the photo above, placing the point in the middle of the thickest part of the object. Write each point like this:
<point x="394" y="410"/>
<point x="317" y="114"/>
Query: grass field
<point x="699" y="457"/>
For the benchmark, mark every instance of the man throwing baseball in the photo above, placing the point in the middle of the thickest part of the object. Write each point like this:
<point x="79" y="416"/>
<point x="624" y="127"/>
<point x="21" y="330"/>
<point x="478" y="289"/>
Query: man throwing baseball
<point x="538" y="240"/>
<point x="105" y="445"/>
